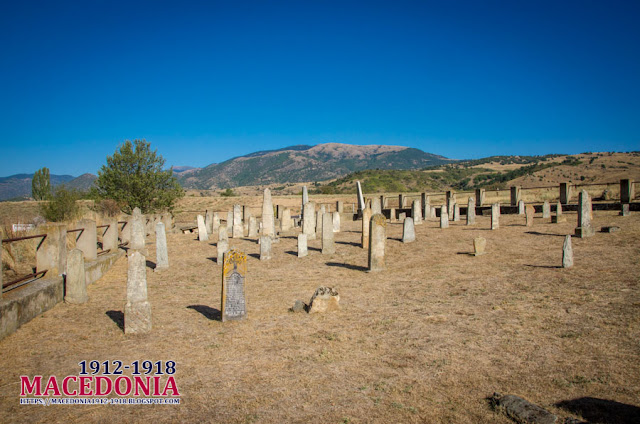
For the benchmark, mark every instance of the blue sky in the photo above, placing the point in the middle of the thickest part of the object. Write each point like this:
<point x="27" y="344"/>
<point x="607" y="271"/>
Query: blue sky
<point x="207" y="81"/>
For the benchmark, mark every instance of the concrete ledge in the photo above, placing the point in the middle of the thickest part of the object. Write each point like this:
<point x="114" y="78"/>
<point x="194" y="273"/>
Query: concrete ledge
<point x="94" y="270"/>
<point x="21" y="306"/>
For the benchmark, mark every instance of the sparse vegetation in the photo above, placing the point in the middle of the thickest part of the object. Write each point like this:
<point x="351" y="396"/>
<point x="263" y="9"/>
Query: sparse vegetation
<point x="63" y="206"/>
<point x="41" y="184"/>
<point x="227" y="193"/>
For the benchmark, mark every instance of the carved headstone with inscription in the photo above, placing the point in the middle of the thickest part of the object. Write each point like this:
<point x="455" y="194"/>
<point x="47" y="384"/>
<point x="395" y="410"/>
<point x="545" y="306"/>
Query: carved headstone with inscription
<point x="234" y="272"/>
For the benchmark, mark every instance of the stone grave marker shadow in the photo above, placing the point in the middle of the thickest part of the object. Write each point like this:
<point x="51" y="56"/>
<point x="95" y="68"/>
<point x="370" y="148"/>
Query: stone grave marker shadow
<point x="208" y="312"/>
<point x="117" y="317"/>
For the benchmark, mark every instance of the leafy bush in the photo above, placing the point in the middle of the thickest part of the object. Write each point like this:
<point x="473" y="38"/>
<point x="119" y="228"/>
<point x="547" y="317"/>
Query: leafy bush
<point x="63" y="205"/>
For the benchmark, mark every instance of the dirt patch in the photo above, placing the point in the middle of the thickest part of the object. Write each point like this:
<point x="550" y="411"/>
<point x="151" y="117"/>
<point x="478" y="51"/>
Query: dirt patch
<point x="426" y="340"/>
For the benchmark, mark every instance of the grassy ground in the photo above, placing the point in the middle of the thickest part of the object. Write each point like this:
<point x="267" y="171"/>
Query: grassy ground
<point x="426" y="340"/>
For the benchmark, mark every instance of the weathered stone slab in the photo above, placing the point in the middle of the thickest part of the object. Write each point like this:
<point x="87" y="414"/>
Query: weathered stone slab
<point x="495" y="216"/>
<point x="530" y="212"/>
<point x="162" y="256"/>
<point x="234" y="274"/>
<point x="253" y="227"/>
<point x="408" y="231"/>
<point x="309" y="221"/>
<point x="208" y="221"/>
<point x="265" y="248"/>
<point x="137" y="230"/>
<point x="336" y="222"/>
<point x="479" y="246"/>
<point x="137" y="311"/>
<point x="237" y="229"/>
<point x="319" y="216"/>
<point x="567" y="253"/>
<point x="366" y="224"/>
<point x="612" y="229"/>
<point x="444" y="217"/>
<point x="522" y="411"/>
<point x="471" y="211"/>
<point x="565" y="193"/>
<point x="202" y="229"/>
<point x="584" y="228"/>
<point x="392" y="215"/>
<point x="546" y="210"/>
<point x="376" y="206"/>
<point x="416" y="212"/>
<point x="456" y="212"/>
<point x="624" y="209"/>
<point x="521" y="207"/>
<point x="268" y="223"/>
<point x="558" y="217"/>
<point x="216" y="222"/>
<point x="378" y="239"/>
<point x="360" y="196"/>
<point x="325" y="299"/>
<point x="480" y="195"/>
<point x="328" y="244"/>
<point x="515" y="197"/>
<point x="222" y="247"/>
<point x="302" y="245"/>
<point x="75" y="283"/>
<point x="230" y="222"/>
<point x="285" y="222"/>
<point x="222" y="234"/>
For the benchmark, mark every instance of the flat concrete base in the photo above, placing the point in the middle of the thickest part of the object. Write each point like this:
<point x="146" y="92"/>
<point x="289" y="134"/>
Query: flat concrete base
<point x="94" y="270"/>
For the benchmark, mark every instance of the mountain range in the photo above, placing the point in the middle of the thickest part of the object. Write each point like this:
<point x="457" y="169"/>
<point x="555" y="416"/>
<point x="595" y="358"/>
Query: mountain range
<point x="18" y="186"/>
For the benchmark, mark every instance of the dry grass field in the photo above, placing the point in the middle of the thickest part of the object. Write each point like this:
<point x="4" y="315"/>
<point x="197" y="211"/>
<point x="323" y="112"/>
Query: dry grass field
<point x="425" y="341"/>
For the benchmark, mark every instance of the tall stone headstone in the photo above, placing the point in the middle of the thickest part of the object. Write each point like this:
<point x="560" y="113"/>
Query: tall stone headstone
<point x="87" y="239"/>
<point x="456" y="212"/>
<point x="624" y="209"/>
<point x="223" y="234"/>
<point x="495" y="216"/>
<point x="110" y="235"/>
<point x="479" y="246"/>
<point x="378" y="239"/>
<point x="222" y="247"/>
<point x="392" y="215"/>
<point x="305" y="198"/>
<point x="234" y="274"/>
<point x="444" y="217"/>
<point x="230" y="222"/>
<point x="328" y="244"/>
<point x="202" y="229"/>
<point x="530" y="212"/>
<point x="366" y="222"/>
<point x="302" y="245"/>
<point x="265" y="248"/>
<point x="360" y="196"/>
<point x="426" y="205"/>
<point x="584" y="229"/>
<point x="208" y="221"/>
<point x="162" y="256"/>
<point x="216" y="222"/>
<point x="336" y="222"/>
<point x="75" y="287"/>
<point x="137" y="230"/>
<point x="400" y="201"/>
<point x="267" y="214"/>
<point x="471" y="211"/>
<point x="565" y="193"/>
<point x="626" y="190"/>
<point x="567" y="253"/>
<point x="546" y="210"/>
<point x="253" y="226"/>
<point x="480" y="193"/>
<point x="515" y="196"/>
<point x="408" y="231"/>
<point x="416" y="212"/>
<point x="376" y="207"/>
<point x="237" y="229"/>
<point x="521" y="206"/>
<point x="319" y="222"/>
<point x="309" y="221"/>
<point x="285" y="222"/>
<point x="558" y="217"/>
<point x="137" y="311"/>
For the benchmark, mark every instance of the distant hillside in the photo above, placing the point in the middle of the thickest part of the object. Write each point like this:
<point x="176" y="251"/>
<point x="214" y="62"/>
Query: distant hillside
<point x="181" y="169"/>
<point x="19" y="185"/>
<point x="306" y="163"/>
<point x="494" y="172"/>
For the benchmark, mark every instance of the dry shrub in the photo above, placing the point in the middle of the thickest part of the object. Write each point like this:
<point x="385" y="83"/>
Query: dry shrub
<point x="108" y="208"/>
<point x="17" y="257"/>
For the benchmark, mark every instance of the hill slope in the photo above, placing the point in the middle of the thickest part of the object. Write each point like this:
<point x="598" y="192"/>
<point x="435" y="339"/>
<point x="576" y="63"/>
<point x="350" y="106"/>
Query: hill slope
<point x="306" y="163"/>
<point x="19" y="185"/>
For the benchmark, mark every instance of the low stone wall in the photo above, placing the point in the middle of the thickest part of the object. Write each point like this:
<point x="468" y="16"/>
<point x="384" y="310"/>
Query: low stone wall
<point x="20" y="306"/>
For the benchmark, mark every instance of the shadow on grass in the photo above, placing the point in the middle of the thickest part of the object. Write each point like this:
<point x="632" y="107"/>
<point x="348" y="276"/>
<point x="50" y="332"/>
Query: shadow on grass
<point x="213" y="259"/>
<point x="117" y="317"/>
<point x="255" y="255"/>
<point x="207" y="311"/>
<point x="544" y="266"/>
<point x="601" y="410"/>
<point x="348" y="243"/>
<point x="537" y="233"/>
<point x="316" y="249"/>
<point x="348" y="266"/>
<point x="291" y="252"/>
<point x="151" y="264"/>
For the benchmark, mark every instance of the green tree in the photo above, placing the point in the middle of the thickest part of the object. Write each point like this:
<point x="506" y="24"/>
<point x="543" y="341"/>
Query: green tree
<point x="63" y="205"/>
<point x="134" y="177"/>
<point x="41" y="184"/>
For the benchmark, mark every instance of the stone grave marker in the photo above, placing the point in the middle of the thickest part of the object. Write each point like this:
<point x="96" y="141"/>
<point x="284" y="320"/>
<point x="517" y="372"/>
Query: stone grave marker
<point x="471" y="211"/>
<point x="378" y="238"/>
<point x="302" y="245"/>
<point x="162" y="256"/>
<point x="408" y="231"/>
<point x="530" y="212"/>
<point x="444" y="217"/>
<point x="328" y="244"/>
<point x="567" y="253"/>
<point x="137" y="311"/>
<point x="234" y="274"/>
<point x="366" y="223"/>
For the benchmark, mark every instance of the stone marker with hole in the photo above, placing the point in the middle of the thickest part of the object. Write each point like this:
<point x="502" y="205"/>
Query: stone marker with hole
<point x="325" y="299"/>
<point x="265" y="248"/>
<point x="336" y="222"/>
<point x="530" y="212"/>
<point x="137" y="311"/>
<point x="162" y="256"/>
<point x="366" y="223"/>
<point x="408" y="231"/>
<point x="302" y="245"/>
<point x="75" y="287"/>
<point x="328" y="244"/>
<point x="546" y="210"/>
<point x="444" y="217"/>
<point x="471" y="211"/>
<point x="567" y="253"/>
<point x="479" y="245"/>
<point x="495" y="216"/>
<point x="309" y="221"/>
<point x="234" y="274"/>
<point x="584" y="228"/>
<point x="377" y="241"/>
